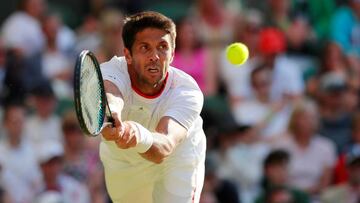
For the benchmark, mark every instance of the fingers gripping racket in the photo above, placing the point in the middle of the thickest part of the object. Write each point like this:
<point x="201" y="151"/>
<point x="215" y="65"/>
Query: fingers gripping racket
<point x="89" y="95"/>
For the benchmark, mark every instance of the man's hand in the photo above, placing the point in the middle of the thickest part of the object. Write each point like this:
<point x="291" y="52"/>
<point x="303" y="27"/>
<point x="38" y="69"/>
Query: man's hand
<point x="125" y="134"/>
<point x="110" y="132"/>
<point x="128" y="136"/>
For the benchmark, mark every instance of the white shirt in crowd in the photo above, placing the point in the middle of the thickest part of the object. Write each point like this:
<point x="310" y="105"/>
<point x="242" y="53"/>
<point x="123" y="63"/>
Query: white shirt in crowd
<point x="307" y="165"/>
<point x="243" y="163"/>
<point x="286" y="78"/>
<point x="54" y="63"/>
<point x="21" y="175"/>
<point x="70" y="191"/>
<point x="23" y="31"/>
<point x="39" y="130"/>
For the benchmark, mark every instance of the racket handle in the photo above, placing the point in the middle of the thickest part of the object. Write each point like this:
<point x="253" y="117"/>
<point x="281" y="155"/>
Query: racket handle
<point x="111" y="120"/>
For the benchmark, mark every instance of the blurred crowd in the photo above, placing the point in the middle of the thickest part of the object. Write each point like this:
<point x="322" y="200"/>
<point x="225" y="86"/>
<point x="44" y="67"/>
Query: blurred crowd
<point x="282" y="128"/>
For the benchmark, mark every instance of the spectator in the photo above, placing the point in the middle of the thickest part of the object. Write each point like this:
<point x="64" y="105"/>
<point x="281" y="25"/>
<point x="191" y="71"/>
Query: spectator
<point x="312" y="156"/>
<point x="79" y="161"/>
<point x="214" y="23"/>
<point x="44" y="124"/>
<point x="88" y="35"/>
<point x="56" y="66"/>
<point x="237" y="78"/>
<point x="22" y="29"/>
<point x="111" y="23"/>
<point x="272" y="46"/>
<point x="241" y="161"/>
<point x="193" y="58"/>
<point x="295" y="26"/>
<point x="217" y="189"/>
<point x="22" y="183"/>
<point x="283" y="70"/>
<point x="276" y="180"/>
<point x="278" y="14"/>
<point x="352" y="147"/>
<point x="66" y="38"/>
<point x="270" y="118"/>
<point x="335" y="120"/>
<point x="319" y="14"/>
<point x="50" y="157"/>
<point x="215" y="26"/>
<point x="23" y="73"/>
<point x="345" y="31"/>
<point x="332" y="60"/>
<point x="24" y="42"/>
<point x="349" y="191"/>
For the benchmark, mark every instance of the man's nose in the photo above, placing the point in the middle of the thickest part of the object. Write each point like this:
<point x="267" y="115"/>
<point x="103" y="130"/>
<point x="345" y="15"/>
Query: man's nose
<point x="154" y="56"/>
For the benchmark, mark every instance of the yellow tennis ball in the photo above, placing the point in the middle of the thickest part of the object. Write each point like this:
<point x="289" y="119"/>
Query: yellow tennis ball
<point x="237" y="53"/>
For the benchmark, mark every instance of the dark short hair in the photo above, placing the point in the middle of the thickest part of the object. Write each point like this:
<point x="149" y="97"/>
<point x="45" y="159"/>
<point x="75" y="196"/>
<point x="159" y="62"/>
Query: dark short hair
<point x="149" y="19"/>
<point x="43" y="89"/>
<point x="277" y="156"/>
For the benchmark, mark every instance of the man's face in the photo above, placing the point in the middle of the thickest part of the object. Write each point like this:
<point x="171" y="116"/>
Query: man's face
<point x="150" y="56"/>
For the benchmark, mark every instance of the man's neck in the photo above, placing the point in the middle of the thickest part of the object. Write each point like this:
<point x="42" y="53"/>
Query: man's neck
<point x="146" y="89"/>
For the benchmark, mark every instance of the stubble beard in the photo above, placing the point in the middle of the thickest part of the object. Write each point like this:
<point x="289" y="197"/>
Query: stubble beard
<point x="160" y="80"/>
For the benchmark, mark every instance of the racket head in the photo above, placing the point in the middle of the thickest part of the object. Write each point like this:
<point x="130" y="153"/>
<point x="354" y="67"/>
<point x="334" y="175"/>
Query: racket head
<point x="89" y="94"/>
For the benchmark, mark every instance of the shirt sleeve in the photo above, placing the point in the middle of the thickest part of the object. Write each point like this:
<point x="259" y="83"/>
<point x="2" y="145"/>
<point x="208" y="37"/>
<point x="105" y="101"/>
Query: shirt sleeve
<point x="185" y="106"/>
<point x="112" y="73"/>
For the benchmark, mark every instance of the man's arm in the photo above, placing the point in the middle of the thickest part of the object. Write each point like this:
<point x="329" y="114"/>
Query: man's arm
<point x="169" y="133"/>
<point x="116" y="103"/>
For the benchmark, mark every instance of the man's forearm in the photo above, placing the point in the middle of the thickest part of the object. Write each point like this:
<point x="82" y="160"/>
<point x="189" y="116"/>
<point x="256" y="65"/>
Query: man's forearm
<point x="161" y="148"/>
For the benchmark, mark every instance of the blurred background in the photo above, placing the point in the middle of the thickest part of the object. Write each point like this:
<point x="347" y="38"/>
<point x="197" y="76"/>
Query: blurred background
<point x="282" y="128"/>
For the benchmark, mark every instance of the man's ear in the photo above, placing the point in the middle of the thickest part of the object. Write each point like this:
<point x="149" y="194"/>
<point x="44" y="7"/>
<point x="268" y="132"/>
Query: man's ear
<point x="128" y="56"/>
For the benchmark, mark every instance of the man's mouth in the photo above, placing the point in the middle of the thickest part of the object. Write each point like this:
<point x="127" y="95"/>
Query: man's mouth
<point x="153" y="68"/>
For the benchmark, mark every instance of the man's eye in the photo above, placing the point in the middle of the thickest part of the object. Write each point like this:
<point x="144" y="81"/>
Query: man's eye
<point x="163" y="47"/>
<point x="143" y="48"/>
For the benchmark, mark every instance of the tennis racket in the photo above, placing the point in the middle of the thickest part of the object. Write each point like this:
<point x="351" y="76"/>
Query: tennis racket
<point x="92" y="108"/>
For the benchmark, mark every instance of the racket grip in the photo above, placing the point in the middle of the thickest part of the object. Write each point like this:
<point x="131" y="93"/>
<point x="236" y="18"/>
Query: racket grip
<point x="111" y="120"/>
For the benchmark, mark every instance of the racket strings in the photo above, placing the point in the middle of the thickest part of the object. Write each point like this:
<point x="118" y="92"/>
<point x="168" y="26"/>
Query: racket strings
<point x="91" y="95"/>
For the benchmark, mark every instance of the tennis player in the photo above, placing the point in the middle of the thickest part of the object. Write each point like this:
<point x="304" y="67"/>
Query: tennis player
<point x="156" y="152"/>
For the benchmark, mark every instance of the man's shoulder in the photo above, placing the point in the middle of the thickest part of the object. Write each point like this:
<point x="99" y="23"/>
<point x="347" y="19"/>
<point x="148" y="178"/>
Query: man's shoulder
<point x="114" y="62"/>
<point x="182" y="79"/>
<point x="115" y="69"/>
